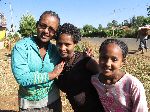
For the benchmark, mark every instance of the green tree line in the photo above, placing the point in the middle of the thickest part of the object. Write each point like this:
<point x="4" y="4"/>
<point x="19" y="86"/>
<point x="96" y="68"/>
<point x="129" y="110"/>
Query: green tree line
<point x="125" y="29"/>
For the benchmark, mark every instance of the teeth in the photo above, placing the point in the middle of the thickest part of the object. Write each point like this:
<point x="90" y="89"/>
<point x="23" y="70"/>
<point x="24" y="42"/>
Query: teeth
<point x="44" y="36"/>
<point x="107" y="70"/>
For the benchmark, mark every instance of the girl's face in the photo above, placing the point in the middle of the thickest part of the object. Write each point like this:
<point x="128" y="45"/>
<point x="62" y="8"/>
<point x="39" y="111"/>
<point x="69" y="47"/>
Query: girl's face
<point x="47" y="27"/>
<point x="66" y="45"/>
<point x="110" y="60"/>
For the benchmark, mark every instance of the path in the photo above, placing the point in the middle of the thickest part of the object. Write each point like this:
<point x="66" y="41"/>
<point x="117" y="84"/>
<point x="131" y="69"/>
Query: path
<point x="131" y="43"/>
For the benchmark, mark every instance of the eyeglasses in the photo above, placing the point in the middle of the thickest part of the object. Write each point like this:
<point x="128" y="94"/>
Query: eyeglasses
<point x="44" y="26"/>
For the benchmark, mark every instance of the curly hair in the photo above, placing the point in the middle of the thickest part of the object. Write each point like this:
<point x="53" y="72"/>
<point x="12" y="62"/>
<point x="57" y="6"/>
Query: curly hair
<point x="68" y="28"/>
<point x="120" y="43"/>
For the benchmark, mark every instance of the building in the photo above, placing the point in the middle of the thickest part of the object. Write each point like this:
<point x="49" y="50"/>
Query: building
<point x="2" y="27"/>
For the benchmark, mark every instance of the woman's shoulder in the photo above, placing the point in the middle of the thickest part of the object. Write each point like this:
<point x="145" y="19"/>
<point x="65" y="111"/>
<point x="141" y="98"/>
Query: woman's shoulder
<point x="131" y="77"/>
<point x="24" y="41"/>
<point x="132" y="80"/>
<point x="95" y="76"/>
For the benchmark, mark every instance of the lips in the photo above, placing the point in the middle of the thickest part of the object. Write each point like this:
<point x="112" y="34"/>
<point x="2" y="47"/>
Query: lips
<point x="44" y="37"/>
<point x="107" y="69"/>
<point x="63" y="53"/>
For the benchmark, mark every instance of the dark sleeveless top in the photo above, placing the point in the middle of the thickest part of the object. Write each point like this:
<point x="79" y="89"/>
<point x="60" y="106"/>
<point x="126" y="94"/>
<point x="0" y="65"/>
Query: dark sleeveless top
<point x="76" y="83"/>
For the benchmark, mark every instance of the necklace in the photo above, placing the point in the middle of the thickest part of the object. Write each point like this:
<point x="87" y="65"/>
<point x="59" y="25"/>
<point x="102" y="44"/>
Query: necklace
<point x="107" y="84"/>
<point x="69" y="64"/>
<point x="107" y="88"/>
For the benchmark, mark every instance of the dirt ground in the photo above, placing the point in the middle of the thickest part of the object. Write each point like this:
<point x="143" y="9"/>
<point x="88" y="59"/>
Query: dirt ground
<point x="9" y="87"/>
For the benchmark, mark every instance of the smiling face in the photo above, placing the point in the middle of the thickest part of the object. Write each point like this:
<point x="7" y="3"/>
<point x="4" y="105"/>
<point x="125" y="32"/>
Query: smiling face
<point x="66" y="46"/>
<point x="110" y="60"/>
<point x="47" y="27"/>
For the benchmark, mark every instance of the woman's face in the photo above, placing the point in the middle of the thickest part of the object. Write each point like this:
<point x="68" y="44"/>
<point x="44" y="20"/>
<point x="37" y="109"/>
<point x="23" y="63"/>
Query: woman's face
<point x="66" y="46"/>
<point x="111" y="60"/>
<point x="47" y="27"/>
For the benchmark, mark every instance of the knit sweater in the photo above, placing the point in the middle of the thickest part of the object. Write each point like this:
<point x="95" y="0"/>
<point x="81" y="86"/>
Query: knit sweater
<point x="30" y="71"/>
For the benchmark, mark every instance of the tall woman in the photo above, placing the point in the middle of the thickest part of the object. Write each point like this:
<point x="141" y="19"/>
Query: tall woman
<point x="33" y="65"/>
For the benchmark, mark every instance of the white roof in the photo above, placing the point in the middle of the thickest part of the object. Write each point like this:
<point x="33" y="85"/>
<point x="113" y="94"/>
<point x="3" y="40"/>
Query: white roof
<point x="145" y="27"/>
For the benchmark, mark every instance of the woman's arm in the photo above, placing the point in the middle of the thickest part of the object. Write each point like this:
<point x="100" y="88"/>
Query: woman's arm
<point x="139" y="98"/>
<point x="22" y="72"/>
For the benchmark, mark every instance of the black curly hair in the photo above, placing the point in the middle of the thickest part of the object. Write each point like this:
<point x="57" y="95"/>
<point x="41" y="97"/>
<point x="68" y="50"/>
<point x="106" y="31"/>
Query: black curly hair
<point x="68" y="28"/>
<point x="120" y="43"/>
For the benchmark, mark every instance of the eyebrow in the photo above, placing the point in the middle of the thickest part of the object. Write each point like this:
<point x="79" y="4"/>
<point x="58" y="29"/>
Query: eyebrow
<point x="47" y="26"/>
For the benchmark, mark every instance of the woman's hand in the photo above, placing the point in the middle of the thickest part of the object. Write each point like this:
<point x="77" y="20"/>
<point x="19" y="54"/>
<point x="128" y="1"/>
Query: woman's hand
<point x="57" y="70"/>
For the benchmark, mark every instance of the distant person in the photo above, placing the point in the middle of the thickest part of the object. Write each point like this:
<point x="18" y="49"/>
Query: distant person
<point x="75" y="80"/>
<point x="118" y="91"/>
<point x="7" y="44"/>
<point x="143" y="36"/>
<point x="35" y="66"/>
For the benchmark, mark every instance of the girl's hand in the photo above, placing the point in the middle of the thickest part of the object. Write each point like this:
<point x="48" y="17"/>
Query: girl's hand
<point x="88" y="52"/>
<point x="57" y="70"/>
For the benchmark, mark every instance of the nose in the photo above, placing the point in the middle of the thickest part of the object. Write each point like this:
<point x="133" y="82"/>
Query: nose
<point x="62" y="47"/>
<point x="108" y="63"/>
<point x="46" y="30"/>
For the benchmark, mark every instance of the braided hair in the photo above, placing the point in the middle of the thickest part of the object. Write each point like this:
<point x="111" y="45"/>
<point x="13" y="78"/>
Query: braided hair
<point x="120" y="43"/>
<point x="70" y="29"/>
<point x="50" y="13"/>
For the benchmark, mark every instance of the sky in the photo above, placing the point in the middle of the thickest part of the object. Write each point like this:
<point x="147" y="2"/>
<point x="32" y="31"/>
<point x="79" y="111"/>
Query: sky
<point x="77" y="12"/>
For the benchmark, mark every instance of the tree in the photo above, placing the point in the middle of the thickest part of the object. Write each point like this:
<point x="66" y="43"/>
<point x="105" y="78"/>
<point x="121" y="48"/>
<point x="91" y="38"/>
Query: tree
<point x="88" y="28"/>
<point x="27" y="26"/>
<point x="109" y="25"/>
<point x="148" y="9"/>
<point x="114" y="23"/>
<point x="126" y="23"/>
<point x="100" y="27"/>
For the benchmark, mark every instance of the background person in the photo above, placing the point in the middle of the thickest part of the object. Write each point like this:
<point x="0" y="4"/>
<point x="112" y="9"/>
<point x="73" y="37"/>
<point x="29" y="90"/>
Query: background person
<point x="33" y="62"/>
<point x="118" y="91"/>
<point x="75" y="80"/>
<point x="143" y="36"/>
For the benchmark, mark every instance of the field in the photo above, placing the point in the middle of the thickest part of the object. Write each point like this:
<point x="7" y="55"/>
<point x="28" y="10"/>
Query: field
<point x="136" y="64"/>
